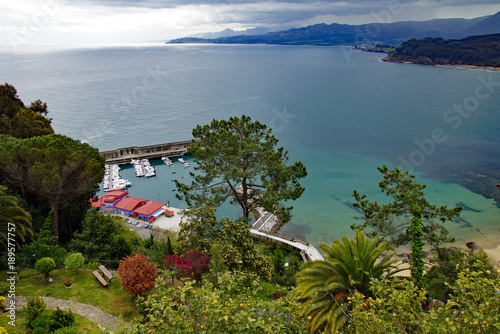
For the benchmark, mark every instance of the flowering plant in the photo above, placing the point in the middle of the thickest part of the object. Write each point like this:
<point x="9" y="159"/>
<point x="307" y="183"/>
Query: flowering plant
<point x="67" y="283"/>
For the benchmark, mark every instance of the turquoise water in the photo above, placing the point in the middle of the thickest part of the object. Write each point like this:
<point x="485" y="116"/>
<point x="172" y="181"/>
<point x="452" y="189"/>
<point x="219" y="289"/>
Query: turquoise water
<point x="341" y="116"/>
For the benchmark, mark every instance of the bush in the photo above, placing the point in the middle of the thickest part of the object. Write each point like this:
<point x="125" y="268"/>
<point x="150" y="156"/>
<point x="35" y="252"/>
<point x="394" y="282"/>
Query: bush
<point x="67" y="330"/>
<point x="4" y="287"/>
<point x="3" y="330"/>
<point x="39" y="325"/>
<point x="74" y="261"/>
<point x="137" y="274"/>
<point x="45" y="266"/>
<point x="59" y="319"/>
<point x="34" y="307"/>
<point x="91" y="265"/>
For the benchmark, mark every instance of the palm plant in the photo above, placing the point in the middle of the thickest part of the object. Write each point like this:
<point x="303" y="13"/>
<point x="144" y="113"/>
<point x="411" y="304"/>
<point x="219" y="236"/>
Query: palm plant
<point x="324" y="287"/>
<point x="13" y="219"/>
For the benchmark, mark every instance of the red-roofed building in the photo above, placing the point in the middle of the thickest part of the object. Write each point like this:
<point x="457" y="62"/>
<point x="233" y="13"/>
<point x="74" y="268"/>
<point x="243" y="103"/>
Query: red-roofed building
<point x="150" y="209"/>
<point x="128" y="204"/>
<point x="97" y="203"/>
<point x="114" y="195"/>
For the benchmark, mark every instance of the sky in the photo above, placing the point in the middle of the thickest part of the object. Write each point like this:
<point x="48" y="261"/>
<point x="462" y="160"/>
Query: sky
<point x="115" y="22"/>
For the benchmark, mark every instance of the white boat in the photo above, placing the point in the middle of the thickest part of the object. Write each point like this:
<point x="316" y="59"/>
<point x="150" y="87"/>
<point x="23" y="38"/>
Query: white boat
<point x="181" y="160"/>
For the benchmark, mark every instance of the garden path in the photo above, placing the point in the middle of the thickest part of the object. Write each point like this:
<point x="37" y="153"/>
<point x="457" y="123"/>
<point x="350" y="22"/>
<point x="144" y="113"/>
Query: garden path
<point x="94" y="314"/>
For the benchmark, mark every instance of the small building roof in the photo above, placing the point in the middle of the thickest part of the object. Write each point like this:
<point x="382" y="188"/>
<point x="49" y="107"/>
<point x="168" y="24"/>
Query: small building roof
<point x="113" y="195"/>
<point x="149" y="208"/>
<point x="97" y="203"/>
<point x="130" y="203"/>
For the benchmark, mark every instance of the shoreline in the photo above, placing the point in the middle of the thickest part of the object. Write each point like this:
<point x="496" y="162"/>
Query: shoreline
<point x="457" y="66"/>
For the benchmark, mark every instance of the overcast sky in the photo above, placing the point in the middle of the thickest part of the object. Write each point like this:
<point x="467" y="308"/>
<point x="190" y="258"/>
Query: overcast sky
<point x="83" y="22"/>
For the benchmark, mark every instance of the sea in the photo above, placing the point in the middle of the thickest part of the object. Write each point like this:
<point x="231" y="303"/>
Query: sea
<point x="340" y="111"/>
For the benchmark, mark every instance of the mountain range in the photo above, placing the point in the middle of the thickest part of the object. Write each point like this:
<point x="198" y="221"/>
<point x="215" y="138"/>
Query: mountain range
<point x="371" y="33"/>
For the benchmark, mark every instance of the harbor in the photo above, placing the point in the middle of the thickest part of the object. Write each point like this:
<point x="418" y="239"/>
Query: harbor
<point x="126" y="154"/>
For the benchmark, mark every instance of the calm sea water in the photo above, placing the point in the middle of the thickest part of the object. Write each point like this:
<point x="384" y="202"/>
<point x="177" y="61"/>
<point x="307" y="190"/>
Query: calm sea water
<point x="341" y="112"/>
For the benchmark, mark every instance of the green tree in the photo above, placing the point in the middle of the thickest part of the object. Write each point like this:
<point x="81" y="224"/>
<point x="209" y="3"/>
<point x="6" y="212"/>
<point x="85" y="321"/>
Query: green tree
<point x="324" y="287"/>
<point x="417" y="256"/>
<point x="56" y="168"/>
<point x="18" y="121"/>
<point x="392" y="221"/>
<point x="234" y="307"/>
<point x="239" y="160"/>
<point x="398" y="306"/>
<point x="42" y="245"/>
<point x="74" y="261"/>
<point x="201" y="230"/>
<point x="101" y="238"/>
<point x="45" y="266"/>
<point x="15" y="223"/>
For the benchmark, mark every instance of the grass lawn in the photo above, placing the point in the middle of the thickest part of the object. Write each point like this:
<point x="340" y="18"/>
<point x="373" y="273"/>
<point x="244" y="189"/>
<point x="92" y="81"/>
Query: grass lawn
<point x="84" y="325"/>
<point x="86" y="289"/>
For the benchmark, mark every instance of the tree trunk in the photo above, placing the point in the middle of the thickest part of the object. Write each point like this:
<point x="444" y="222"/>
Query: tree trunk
<point x="55" y="206"/>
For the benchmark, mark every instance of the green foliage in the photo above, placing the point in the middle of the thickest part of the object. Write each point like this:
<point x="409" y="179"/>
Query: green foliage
<point x="18" y="121"/>
<point x="101" y="238"/>
<point x="39" y="325"/>
<point x="56" y="169"/>
<point x="446" y="264"/>
<point x="232" y="308"/>
<point x="67" y="330"/>
<point x="4" y="287"/>
<point x="45" y="266"/>
<point x="42" y="245"/>
<point x="392" y="221"/>
<point x="475" y="50"/>
<point x="398" y="306"/>
<point x="74" y="261"/>
<point x="239" y="160"/>
<point x="14" y="221"/>
<point x="201" y="230"/>
<point x="417" y="257"/>
<point x="324" y="287"/>
<point x="286" y="263"/>
<point x="34" y="307"/>
<point x="60" y="319"/>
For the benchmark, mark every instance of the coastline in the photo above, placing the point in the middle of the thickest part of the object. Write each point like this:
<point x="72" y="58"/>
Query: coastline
<point x="463" y="67"/>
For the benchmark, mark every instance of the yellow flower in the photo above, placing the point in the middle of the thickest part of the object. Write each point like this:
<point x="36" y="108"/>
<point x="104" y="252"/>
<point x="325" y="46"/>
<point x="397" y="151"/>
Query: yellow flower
<point x="447" y="319"/>
<point x="488" y="272"/>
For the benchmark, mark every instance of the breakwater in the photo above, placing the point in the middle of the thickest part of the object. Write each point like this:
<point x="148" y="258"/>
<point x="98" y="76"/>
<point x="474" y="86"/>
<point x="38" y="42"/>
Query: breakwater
<point x="146" y="152"/>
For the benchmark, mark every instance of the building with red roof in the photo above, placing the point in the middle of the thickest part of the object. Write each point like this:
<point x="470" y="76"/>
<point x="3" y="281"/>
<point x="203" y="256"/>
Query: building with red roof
<point x="150" y="209"/>
<point x="128" y="204"/>
<point x="97" y="203"/>
<point x="114" y="195"/>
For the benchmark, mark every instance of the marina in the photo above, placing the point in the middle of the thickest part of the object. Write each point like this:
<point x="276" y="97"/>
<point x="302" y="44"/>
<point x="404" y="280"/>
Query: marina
<point x="121" y="155"/>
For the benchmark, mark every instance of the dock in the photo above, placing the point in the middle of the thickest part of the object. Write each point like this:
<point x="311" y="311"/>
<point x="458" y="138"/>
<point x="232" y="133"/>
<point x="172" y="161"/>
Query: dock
<point x="175" y="149"/>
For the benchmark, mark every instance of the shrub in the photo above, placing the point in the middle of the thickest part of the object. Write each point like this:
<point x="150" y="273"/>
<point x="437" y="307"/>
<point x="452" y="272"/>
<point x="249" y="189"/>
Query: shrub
<point x="137" y="274"/>
<point x="181" y="266"/>
<point x="45" y="266"/>
<point x="3" y="330"/>
<point x="4" y="287"/>
<point x="39" y="325"/>
<point x="67" y="330"/>
<point x="59" y="319"/>
<point x="34" y="307"/>
<point x="91" y="265"/>
<point x="198" y="261"/>
<point x="74" y="261"/>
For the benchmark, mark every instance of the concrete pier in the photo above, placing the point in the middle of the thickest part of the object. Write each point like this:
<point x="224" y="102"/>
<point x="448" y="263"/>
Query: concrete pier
<point x="146" y="152"/>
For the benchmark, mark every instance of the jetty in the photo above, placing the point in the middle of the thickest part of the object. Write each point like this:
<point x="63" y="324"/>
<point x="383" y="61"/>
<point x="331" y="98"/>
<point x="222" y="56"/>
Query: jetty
<point x="308" y="252"/>
<point x="175" y="149"/>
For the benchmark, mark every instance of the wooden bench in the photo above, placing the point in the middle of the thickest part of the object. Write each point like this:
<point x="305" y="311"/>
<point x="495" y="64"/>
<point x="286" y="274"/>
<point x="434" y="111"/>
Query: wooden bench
<point x="106" y="273"/>
<point x="100" y="278"/>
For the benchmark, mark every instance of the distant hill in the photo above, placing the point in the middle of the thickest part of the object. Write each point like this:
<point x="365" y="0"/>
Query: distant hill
<point x="475" y="50"/>
<point x="345" y="34"/>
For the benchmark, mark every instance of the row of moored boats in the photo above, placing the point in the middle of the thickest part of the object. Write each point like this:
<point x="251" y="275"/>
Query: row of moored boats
<point x="143" y="168"/>
<point x="112" y="179"/>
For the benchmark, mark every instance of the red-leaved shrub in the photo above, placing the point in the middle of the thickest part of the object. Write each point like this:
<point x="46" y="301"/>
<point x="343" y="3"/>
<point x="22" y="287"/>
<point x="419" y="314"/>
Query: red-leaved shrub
<point x="181" y="266"/>
<point x="198" y="261"/>
<point x="137" y="274"/>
